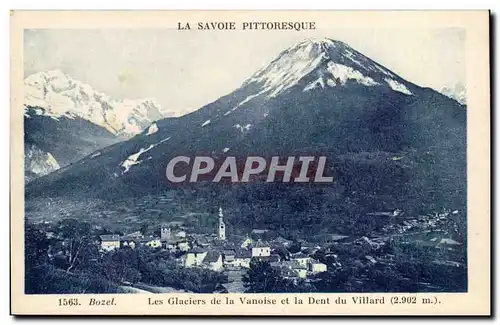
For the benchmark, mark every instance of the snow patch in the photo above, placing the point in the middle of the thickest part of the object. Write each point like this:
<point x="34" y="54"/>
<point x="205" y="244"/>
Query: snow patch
<point x="97" y="154"/>
<point x="153" y="128"/>
<point x="246" y="100"/>
<point x="384" y="71"/>
<point x="286" y="71"/>
<point x="134" y="158"/>
<point x="397" y="86"/>
<point x="458" y="93"/>
<point x="319" y="82"/>
<point x="207" y="122"/>
<point x="350" y="55"/>
<point x="166" y="139"/>
<point x="226" y="149"/>
<point x="52" y="161"/>
<point x="242" y="128"/>
<point x="342" y="73"/>
<point x="38" y="162"/>
<point x="331" y="83"/>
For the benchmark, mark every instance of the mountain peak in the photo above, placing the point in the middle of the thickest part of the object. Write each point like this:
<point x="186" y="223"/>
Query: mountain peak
<point x="324" y="42"/>
<point x="325" y="47"/>
<point x="322" y="61"/>
<point x="457" y="92"/>
<point x="59" y="95"/>
<point x="56" y="78"/>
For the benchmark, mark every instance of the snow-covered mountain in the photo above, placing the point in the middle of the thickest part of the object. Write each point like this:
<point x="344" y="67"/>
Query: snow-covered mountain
<point x="59" y="95"/>
<point x="331" y="63"/>
<point x="458" y="93"/>
<point x="388" y="138"/>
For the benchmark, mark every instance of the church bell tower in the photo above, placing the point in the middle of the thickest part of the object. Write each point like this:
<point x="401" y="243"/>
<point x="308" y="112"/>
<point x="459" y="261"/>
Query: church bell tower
<point x="165" y="232"/>
<point x="222" y="226"/>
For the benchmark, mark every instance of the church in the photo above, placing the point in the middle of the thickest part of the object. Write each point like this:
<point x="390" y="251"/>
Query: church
<point x="222" y="226"/>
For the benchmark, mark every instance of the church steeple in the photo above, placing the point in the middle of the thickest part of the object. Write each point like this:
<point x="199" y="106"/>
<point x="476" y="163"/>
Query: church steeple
<point x="222" y="226"/>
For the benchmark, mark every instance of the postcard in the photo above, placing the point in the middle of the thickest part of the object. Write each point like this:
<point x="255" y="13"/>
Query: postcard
<point x="250" y="163"/>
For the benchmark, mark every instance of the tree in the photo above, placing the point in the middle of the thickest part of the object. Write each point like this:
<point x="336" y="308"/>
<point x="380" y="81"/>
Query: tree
<point x="332" y="281"/>
<point x="144" y="228"/>
<point x="295" y="247"/>
<point x="282" y="252"/>
<point x="36" y="247"/>
<point x="122" y="265"/>
<point x="261" y="277"/>
<point x="80" y="242"/>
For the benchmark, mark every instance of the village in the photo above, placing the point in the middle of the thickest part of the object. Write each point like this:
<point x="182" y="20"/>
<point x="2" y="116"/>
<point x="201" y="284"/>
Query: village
<point x="232" y="254"/>
<point x="221" y="252"/>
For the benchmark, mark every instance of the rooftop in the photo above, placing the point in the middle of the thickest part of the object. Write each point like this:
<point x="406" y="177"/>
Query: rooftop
<point x="261" y="243"/>
<point x="212" y="256"/>
<point x="259" y="231"/>
<point x="293" y="265"/>
<point x="300" y="255"/>
<point x="110" y="237"/>
<point x="197" y="250"/>
<point x="243" y="254"/>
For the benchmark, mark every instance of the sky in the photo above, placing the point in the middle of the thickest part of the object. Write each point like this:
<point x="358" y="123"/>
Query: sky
<point x="183" y="71"/>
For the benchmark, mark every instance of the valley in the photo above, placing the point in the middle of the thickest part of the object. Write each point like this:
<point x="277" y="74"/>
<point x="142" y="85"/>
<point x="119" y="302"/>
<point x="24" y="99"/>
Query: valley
<point x="395" y="202"/>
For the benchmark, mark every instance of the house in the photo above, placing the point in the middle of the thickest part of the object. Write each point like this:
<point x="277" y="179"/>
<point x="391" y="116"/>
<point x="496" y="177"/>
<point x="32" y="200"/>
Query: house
<point x="153" y="242"/>
<point x="242" y="258"/>
<point x="165" y="233"/>
<point x="299" y="269"/>
<point x="201" y="240"/>
<point x="49" y="235"/>
<point x="273" y="259"/>
<point x="287" y="273"/>
<point x="333" y="238"/>
<point x="317" y="267"/>
<point x="367" y="243"/>
<point x="132" y="244"/>
<point x="229" y="256"/>
<point x="136" y="234"/>
<point x="246" y="242"/>
<point x="110" y="242"/>
<point x="128" y="241"/>
<point x="261" y="248"/>
<point x="259" y="231"/>
<point x="301" y="258"/>
<point x="181" y="234"/>
<point x="213" y="261"/>
<point x="280" y="241"/>
<point x="179" y="243"/>
<point x="195" y="257"/>
<point x="304" y="245"/>
<point x="264" y="234"/>
<point x="183" y="246"/>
